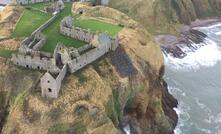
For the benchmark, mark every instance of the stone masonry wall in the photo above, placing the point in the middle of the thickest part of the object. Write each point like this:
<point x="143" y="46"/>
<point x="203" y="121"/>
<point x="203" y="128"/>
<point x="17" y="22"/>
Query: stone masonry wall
<point x="38" y="45"/>
<point x="50" y="86"/>
<point x="46" y="24"/>
<point x="61" y="76"/>
<point x="26" y="2"/>
<point x="77" y="33"/>
<point x="34" y="62"/>
<point x="29" y="55"/>
<point x="92" y="55"/>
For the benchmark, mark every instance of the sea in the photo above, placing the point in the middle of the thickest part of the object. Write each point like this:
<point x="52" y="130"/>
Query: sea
<point x="1" y="8"/>
<point x="195" y="81"/>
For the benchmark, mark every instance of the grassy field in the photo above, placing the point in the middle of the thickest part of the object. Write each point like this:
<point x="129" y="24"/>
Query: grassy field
<point x="53" y="35"/>
<point x="97" y="26"/>
<point x="30" y="21"/>
<point x="5" y="53"/>
<point x="40" y="6"/>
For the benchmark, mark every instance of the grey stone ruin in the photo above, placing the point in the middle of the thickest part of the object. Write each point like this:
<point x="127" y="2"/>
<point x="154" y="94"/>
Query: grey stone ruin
<point x="64" y="59"/>
<point x="55" y="7"/>
<point x="68" y="22"/>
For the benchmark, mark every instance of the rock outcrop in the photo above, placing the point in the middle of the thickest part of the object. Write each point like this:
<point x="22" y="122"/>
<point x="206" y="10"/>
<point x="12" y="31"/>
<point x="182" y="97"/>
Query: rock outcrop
<point x="123" y="87"/>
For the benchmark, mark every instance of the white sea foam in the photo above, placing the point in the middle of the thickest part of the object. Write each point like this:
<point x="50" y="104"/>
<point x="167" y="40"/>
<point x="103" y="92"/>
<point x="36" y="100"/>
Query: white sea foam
<point x="207" y="55"/>
<point x="218" y="118"/>
<point x="127" y="129"/>
<point x="1" y="8"/>
<point x="182" y="110"/>
<point x="183" y="118"/>
<point x="209" y="27"/>
<point x="201" y="105"/>
<point x="218" y="33"/>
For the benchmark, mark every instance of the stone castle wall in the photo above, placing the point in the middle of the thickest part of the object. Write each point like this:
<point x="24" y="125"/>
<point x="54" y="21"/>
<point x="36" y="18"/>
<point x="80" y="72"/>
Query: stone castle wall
<point x="105" y="45"/>
<point x="26" y="2"/>
<point x="63" y="59"/>
<point x="29" y="44"/>
<point x="38" y="45"/>
<point x="34" y="62"/>
<point x="46" y="24"/>
<point x="77" y="33"/>
<point x="61" y="76"/>
<point x="50" y="85"/>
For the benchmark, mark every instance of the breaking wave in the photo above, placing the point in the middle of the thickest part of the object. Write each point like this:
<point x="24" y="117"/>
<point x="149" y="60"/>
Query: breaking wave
<point x="186" y="123"/>
<point x="1" y="8"/>
<point x="196" y="111"/>
<point x="182" y="110"/>
<point x="209" y="27"/>
<point x="127" y="129"/>
<point x="207" y="55"/>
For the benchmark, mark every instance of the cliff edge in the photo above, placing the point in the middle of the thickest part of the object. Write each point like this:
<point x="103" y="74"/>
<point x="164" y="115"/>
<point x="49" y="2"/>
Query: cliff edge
<point x="125" y="87"/>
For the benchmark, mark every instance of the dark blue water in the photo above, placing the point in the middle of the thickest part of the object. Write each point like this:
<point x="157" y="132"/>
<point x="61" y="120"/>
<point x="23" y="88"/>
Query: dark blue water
<point x="196" y="82"/>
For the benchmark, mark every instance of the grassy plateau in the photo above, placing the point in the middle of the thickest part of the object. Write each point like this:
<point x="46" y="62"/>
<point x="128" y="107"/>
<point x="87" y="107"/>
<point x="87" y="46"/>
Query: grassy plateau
<point x="97" y="26"/>
<point x="33" y="18"/>
<point x="30" y="21"/>
<point x="53" y="35"/>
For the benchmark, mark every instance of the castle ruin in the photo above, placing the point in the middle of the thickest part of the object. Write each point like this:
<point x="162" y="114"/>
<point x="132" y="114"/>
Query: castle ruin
<point x="64" y="59"/>
<point x="27" y="2"/>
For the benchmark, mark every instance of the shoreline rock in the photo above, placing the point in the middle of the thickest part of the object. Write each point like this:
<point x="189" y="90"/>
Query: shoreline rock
<point x="173" y="45"/>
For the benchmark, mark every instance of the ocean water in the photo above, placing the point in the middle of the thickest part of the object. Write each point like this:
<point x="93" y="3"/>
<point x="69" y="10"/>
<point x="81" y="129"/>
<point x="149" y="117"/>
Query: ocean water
<point x="1" y="8"/>
<point x="196" y="82"/>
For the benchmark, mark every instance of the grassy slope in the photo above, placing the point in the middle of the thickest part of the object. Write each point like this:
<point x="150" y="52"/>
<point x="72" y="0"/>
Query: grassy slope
<point x="40" y="6"/>
<point x="153" y="14"/>
<point x="53" y="35"/>
<point x="5" y="53"/>
<point x="97" y="26"/>
<point x="29" y="22"/>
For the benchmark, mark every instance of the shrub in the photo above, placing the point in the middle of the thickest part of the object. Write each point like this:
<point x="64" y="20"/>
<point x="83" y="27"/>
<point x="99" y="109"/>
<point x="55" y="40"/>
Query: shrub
<point x="113" y="108"/>
<point x="55" y="113"/>
<point x="60" y="128"/>
<point x="81" y="77"/>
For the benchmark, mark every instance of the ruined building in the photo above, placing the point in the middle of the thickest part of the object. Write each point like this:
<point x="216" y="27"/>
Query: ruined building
<point x="27" y="2"/>
<point x="64" y="59"/>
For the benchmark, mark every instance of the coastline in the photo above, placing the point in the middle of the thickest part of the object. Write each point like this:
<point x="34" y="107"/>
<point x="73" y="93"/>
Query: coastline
<point x="188" y="35"/>
<point x="2" y="8"/>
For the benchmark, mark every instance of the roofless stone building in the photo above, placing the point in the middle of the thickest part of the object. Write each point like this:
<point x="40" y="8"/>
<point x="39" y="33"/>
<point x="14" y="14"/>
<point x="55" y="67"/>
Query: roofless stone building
<point x="64" y="60"/>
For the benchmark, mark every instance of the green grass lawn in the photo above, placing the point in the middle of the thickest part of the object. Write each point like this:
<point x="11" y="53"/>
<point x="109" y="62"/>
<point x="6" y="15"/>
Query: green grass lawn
<point x="40" y="6"/>
<point x="30" y="21"/>
<point x="97" y="26"/>
<point x="5" y="53"/>
<point x="53" y="35"/>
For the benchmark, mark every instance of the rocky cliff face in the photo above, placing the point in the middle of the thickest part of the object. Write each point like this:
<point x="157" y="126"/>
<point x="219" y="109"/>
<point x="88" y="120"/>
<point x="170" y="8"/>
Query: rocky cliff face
<point x="125" y="87"/>
<point x="162" y="16"/>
